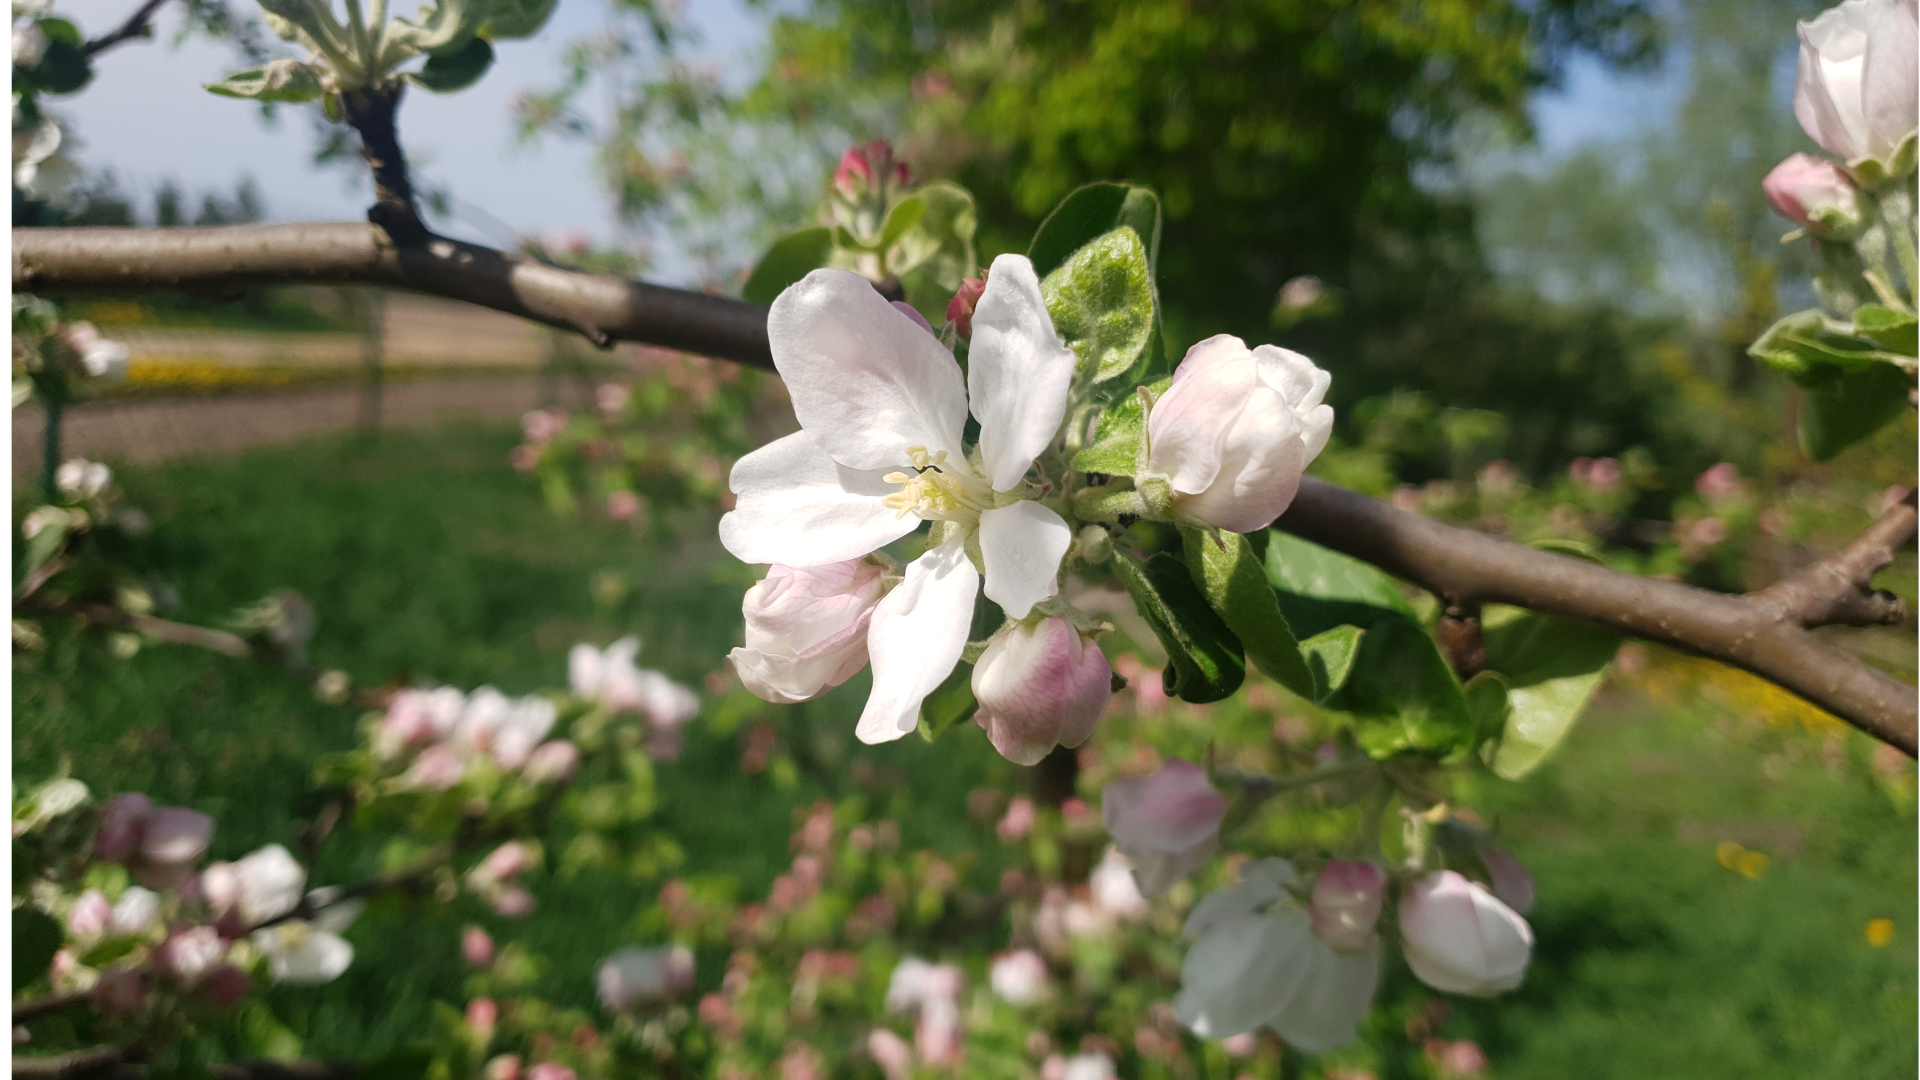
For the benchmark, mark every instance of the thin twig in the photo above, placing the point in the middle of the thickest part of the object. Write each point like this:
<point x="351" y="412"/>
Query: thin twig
<point x="165" y="629"/>
<point x="98" y="1061"/>
<point x="138" y="25"/>
<point x="1837" y="590"/>
<point x="28" y="1011"/>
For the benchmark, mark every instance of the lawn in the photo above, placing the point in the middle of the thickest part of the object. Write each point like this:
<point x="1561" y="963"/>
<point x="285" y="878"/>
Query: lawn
<point x="426" y="558"/>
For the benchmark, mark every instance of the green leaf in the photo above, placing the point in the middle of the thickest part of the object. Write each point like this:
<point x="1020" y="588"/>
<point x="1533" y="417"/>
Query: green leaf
<point x="1204" y="661"/>
<point x="1487" y="703"/>
<point x="791" y="258"/>
<point x="904" y="215"/>
<point x="36" y="937"/>
<point x="1322" y="589"/>
<point x="950" y="703"/>
<point x="1231" y="577"/>
<point x="517" y="18"/>
<point x="47" y="542"/>
<point x="405" y="1063"/>
<point x="1103" y="305"/>
<point x="935" y="254"/>
<point x="1895" y="331"/>
<point x="1800" y="343"/>
<point x="1552" y="667"/>
<point x="281" y="80"/>
<point x="445" y="28"/>
<point x="1403" y="695"/>
<point x="1329" y="655"/>
<point x="63" y="68"/>
<point x="263" y="1035"/>
<point x="1844" y="407"/>
<point x="1120" y="436"/>
<point x="1091" y="211"/>
<point x="60" y="31"/>
<point x="445" y="73"/>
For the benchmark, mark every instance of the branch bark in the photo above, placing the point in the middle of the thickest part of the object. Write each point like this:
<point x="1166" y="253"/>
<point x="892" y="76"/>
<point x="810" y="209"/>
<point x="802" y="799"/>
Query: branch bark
<point x="167" y="630"/>
<point x="138" y="25"/>
<point x="1765" y="633"/>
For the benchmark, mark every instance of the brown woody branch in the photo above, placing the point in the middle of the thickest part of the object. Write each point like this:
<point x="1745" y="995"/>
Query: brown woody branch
<point x="167" y="630"/>
<point x="138" y="25"/>
<point x="1765" y="633"/>
<point x="121" y="1063"/>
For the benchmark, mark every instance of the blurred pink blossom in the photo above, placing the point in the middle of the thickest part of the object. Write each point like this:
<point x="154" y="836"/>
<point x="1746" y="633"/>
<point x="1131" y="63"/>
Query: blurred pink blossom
<point x="476" y="947"/>
<point x="891" y="1053"/>
<point x="1018" y="821"/>
<point x="1718" y="482"/>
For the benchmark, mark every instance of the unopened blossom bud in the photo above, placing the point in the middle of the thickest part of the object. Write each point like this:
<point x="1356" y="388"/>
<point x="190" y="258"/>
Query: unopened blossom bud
<point x="119" y="993"/>
<point x="891" y="1053"/>
<point x="1167" y="823"/>
<point x="1460" y="938"/>
<point x="551" y="1070"/>
<point x="552" y="762"/>
<point x="1040" y="684"/>
<point x="540" y="425"/>
<point x="1815" y="194"/>
<point x="137" y="912"/>
<point x="633" y="977"/>
<point x="1018" y="820"/>
<point x="91" y="915"/>
<point x="122" y="822"/>
<point x="1115" y="887"/>
<point x="99" y="356"/>
<point x="1094" y="1066"/>
<point x="1236" y="430"/>
<point x="476" y="947"/>
<point x="1346" y="903"/>
<point x="807" y="628"/>
<point x="960" y="308"/>
<point x="190" y="955"/>
<point x="504" y="1067"/>
<point x="225" y="985"/>
<point x="611" y="397"/>
<point x="481" y="1016"/>
<point x="1510" y="879"/>
<point x="80" y="479"/>
<point x="938" y="1036"/>
<point x="1019" y="977"/>
<point x="176" y="836"/>
<point x="438" y="768"/>
<point x="270" y="882"/>
<point x="514" y="903"/>
<point x="506" y="862"/>
<point x="622" y="505"/>
<point x="1856" y="87"/>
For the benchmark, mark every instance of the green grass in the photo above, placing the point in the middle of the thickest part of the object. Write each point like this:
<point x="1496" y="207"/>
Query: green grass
<point x="426" y="558"/>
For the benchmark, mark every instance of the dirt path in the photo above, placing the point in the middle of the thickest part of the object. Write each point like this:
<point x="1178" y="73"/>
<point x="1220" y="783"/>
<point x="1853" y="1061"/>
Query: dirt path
<point x="144" y="432"/>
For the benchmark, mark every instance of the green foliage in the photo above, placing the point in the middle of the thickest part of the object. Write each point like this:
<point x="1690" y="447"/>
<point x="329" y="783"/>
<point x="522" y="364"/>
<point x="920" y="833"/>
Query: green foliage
<point x="1101" y="301"/>
<point x="1120" y="437"/>
<point x="1551" y="667"/>
<point x="1321" y="589"/>
<point x="1403" y="695"/>
<point x="1234" y="582"/>
<point x="36" y="937"/>
<point x="1090" y="212"/>
<point x="1843" y="407"/>
<point x="791" y="258"/>
<point x="1204" y="658"/>
<point x="282" y="80"/>
<point x="444" y="73"/>
<point x="950" y="703"/>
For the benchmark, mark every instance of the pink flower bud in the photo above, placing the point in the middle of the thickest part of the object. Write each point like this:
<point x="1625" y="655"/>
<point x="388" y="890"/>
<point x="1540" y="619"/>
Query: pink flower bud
<point x="854" y="175"/>
<point x="1346" y="903"/>
<point x="225" y="985"/>
<point x="891" y="1053"/>
<point x="504" y="1067"/>
<point x="1167" y="822"/>
<point x="506" y="862"/>
<point x="807" y="628"/>
<point x="1116" y="890"/>
<point x="633" y="977"/>
<point x="1018" y="821"/>
<point x="1719" y="482"/>
<point x="623" y="505"/>
<point x="1512" y="882"/>
<point x="438" y="768"/>
<point x="176" y="837"/>
<point x="1019" y="977"/>
<point x="1815" y="194"/>
<point x="482" y="1014"/>
<point x="190" y="955"/>
<point x="938" y="1036"/>
<point x="611" y="397"/>
<point x="1460" y="1060"/>
<point x="476" y="947"/>
<point x="960" y="308"/>
<point x="1460" y="938"/>
<point x="1241" y="1045"/>
<point x="89" y="918"/>
<point x="550" y="1070"/>
<point x="514" y="903"/>
<point x="1236" y="430"/>
<point x="1040" y="684"/>
<point x="541" y="425"/>
<point x="552" y="762"/>
<point x="122" y="822"/>
<point x="119" y="993"/>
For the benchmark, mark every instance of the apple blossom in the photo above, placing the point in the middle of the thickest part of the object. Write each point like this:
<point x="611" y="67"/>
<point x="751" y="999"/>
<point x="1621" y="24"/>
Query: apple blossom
<point x="915" y="982"/>
<point x="882" y="408"/>
<point x="439" y="767"/>
<point x="122" y="821"/>
<point x="891" y="1053"/>
<point x="136" y="912"/>
<point x="476" y="947"/>
<point x="1855" y="90"/>
<point x="99" y="356"/>
<point x="552" y="762"/>
<point x="90" y="916"/>
<point x="80" y="479"/>
<point x="938" y="1036"/>
<point x="1460" y="938"/>
<point x="807" y="628"/>
<point x="633" y="977"/>
<point x="1089" y="1067"/>
<point x="1257" y="961"/>
<point x="1509" y="878"/>
<point x="1167" y="823"/>
<point x="1018" y="977"/>
<point x="1018" y="820"/>
<point x="1346" y="903"/>
<point x="190" y="955"/>
<point x="551" y="1070"/>
<point x="176" y="837"/>
<point x="514" y="903"/>
<point x="1041" y="683"/>
<point x="1114" y="889"/>
<point x="1236" y="430"/>
<point x="1815" y="194"/>
<point x="309" y="952"/>
<point x="481" y="1016"/>
<point x="264" y="885"/>
<point x="960" y="308"/>
<point x="503" y="1067"/>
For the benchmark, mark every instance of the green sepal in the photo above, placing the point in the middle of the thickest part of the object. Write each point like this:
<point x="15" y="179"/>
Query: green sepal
<point x="1322" y="589"/>
<point x="1234" y="582"/>
<point x="791" y="258"/>
<point x="1204" y="659"/>
<point x="1102" y="303"/>
<point x="1403" y="696"/>
<point x="1120" y="437"/>
<point x="1844" y="407"/>
<point x="1800" y="343"/>
<point x="1895" y="331"/>
<point x="1552" y="667"/>
<point x="282" y="80"/>
<point x="950" y="703"/>
<point x="445" y="73"/>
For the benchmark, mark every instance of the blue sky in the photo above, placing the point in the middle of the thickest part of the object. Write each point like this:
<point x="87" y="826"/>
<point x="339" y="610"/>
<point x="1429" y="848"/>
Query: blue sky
<point x="146" y="116"/>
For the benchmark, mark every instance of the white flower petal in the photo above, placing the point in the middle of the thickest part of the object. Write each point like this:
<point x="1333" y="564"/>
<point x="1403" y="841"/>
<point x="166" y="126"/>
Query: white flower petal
<point x="1262" y="881"/>
<point x="866" y="381"/>
<point x="1022" y="545"/>
<point x="916" y="637"/>
<point x="1244" y="973"/>
<point x="319" y="957"/>
<point x="797" y="506"/>
<point x="1185" y="434"/>
<point x="1018" y="372"/>
<point x="1336" y="994"/>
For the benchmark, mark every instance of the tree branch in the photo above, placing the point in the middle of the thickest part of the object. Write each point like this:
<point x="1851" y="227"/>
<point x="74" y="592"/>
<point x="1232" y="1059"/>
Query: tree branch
<point x="98" y="1061"/>
<point x="138" y="25"/>
<point x="1764" y="633"/>
<point x="165" y="629"/>
<point x="26" y="1011"/>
